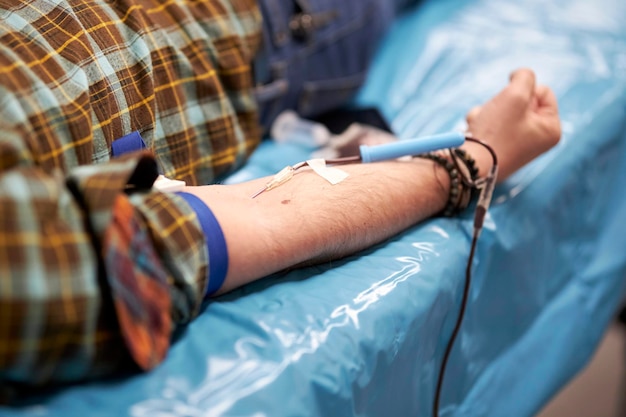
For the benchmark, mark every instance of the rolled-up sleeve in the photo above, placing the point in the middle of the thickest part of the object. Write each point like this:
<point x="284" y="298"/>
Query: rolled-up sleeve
<point x="91" y="262"/>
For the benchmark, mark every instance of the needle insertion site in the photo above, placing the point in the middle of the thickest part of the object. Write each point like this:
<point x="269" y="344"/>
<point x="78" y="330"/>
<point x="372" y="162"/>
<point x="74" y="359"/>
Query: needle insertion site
<point x="376" y="153"/>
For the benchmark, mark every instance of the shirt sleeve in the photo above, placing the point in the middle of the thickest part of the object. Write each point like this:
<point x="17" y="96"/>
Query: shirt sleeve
<point x="91" y="262"/>
<point x="91" y="257"/>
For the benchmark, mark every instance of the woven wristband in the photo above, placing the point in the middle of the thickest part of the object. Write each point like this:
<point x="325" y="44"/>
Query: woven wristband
<point x="461" y="169"/>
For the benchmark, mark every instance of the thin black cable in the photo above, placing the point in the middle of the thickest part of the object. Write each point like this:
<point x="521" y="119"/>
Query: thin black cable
<point x="457" y="327"/>
<point x="479" y="216"/>
<point x="494" y="157"/>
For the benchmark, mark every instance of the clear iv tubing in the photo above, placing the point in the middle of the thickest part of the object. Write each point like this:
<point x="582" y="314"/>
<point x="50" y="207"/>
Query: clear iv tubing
<point x="289" y="171"/>
<point x="377" y="153"/>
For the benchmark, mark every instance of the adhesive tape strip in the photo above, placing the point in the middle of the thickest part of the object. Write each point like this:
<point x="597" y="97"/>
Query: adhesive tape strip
<point x="165" y="184"/>
<point x="332" y="175"/>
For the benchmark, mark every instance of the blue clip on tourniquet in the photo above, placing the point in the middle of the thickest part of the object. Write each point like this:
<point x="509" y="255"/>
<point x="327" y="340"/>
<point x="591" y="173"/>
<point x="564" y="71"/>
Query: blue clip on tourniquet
<point x="215" y="242"/>
<point x="410" y="147"/>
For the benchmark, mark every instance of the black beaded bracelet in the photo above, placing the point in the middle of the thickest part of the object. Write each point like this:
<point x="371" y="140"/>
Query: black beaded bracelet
<point x="462" y="184"/>
<point x="470" y="164"/>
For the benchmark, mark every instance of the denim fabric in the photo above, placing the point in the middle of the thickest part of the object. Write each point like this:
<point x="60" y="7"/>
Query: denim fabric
<point x="317" y="69"/>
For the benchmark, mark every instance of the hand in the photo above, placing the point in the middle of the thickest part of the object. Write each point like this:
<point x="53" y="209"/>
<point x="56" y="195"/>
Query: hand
<point x="520" y="123"/>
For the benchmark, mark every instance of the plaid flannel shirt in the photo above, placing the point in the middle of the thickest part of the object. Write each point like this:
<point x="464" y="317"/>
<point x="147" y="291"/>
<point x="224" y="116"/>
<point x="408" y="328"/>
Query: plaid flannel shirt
<point x="91" y="257"/>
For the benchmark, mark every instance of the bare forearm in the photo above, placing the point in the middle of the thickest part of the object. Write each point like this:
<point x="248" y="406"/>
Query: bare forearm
<point x="308" y="220"/>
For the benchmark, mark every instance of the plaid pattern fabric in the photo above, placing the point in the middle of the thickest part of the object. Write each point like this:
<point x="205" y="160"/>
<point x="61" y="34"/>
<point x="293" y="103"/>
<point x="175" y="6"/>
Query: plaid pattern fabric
<point x="90" y="256"/>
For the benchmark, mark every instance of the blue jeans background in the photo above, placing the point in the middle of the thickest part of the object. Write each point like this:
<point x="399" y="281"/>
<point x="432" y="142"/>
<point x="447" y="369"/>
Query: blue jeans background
<point x="317" y="69"/>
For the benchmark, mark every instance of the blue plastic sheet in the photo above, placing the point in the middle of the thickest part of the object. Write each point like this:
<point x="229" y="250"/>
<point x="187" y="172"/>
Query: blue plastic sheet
<point x="365" y="335"/>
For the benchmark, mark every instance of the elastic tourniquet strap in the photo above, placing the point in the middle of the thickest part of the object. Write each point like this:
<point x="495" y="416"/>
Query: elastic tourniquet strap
<point x="215" y="242"/>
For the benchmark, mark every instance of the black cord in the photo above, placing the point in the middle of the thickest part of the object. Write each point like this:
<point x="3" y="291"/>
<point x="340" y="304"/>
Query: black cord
<point x="479" y="216"/>
<point x="457" y="326"/>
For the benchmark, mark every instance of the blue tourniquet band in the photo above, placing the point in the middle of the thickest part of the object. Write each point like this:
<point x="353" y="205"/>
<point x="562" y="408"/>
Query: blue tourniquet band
<point x="215" y="242"/>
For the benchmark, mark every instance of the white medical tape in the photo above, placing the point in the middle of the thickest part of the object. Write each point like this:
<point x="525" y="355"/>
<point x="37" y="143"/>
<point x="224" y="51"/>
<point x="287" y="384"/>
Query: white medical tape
<point x="330" y="174"/>
<point x="165" y="184"/>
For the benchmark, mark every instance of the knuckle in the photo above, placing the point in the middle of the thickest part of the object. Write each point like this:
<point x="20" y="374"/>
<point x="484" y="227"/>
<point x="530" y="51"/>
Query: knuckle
<point x="523" y="72"/>
<point x="556" y="136"/>
<point x="527" y="71"/>
<point x="553" y="134"/>
<point x="472" y="114"/>
<point x="517" y="97"/>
